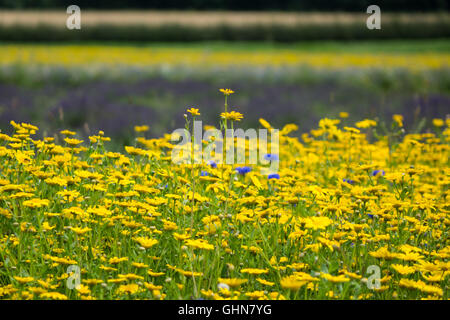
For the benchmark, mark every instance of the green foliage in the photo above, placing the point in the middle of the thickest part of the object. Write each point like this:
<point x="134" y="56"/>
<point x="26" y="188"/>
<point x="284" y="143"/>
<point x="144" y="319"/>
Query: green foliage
<point x="182" y="33"/>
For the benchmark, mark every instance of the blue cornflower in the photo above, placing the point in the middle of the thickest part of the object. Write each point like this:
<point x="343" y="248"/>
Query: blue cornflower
<point x="271" y="157"/>
<point x="376" y="172"/>
<point x="204" y="174"/>
<point x="370" y="215"/>
<point x="243" y="170"/>
<point x="348" y="181"/>
<point x="273" y="176"/>
<point x="212" y="164"/>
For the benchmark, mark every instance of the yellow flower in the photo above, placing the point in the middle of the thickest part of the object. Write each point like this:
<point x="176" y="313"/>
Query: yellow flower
<point x="130" y="276"/>
<point x="343" y="114"/>
<point x="199" y="244"/>
<point x="383" y="253"/>
<point x="151" y="286"/>
<point x="59" y="260"/>
<point x="80" y="231"/>
<point x="422" y="286"/>
<point x="181" y="236"/>
<point x="139" y="265"/>
<point x="35" y="290"/>
<point x="128" y="288"/>
<point x="232" y="282"/>
<point x="53" y="296"/>
<point x="352" y="130"/>
<point x="402" y="269"/>
<point x="193" y="111"/>
<point x="367" y="123"/>
<point x="435" y="277"/>
<point x="265" y="124"/>
<point x="116" y="260"/>
<point x="72" y="142"/>
<point x="55" y="181"/>
<point x="107" y="268"/>
<point x="226" y="92"/>
<point x="438" y="122"/>
<point x="47" y="227"/>
<point x="335" y="279"/>
<point x="91" y="282"/>
<point x="23" y="279"/>
<point x="328" y="124"/>
<point x="142" y="128"/>
<point x="253" y="249"/>
<point x="36" y="203"/>
<point x="157" y="294"/>
<point x="254" y="271"/>
<point x="119" y="280"/>
<point x="82" y="289"/>
<point x="232" y="116"/>
<point x="292" y="283"/>
<point x="288" y="129"/>
<point x="398" y="118"/>
<point x="255" y="294"/>
<point x="265" y="282"/>
<point x="276" y="296"/>
<point x="190" y="273"/>
<point x="68" y="133"/>
<point x="169" y="225"/>
<point x="146" y="242"/>
<point x="155" y="274"/>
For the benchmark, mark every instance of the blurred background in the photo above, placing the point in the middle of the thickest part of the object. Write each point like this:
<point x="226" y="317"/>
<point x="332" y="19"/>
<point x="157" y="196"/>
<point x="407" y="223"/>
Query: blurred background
<point x="144" y="62"/>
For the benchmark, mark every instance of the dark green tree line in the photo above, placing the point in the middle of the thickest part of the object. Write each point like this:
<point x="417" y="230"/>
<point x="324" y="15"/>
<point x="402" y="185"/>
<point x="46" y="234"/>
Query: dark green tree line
<point x="257" y="5"/>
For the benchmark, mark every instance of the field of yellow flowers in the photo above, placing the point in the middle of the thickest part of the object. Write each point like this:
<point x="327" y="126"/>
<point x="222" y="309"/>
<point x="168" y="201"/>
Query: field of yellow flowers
<point x="347" y="199"/>
<point x="75" y="56"/>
